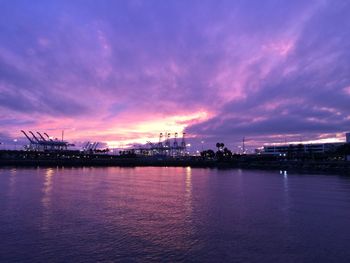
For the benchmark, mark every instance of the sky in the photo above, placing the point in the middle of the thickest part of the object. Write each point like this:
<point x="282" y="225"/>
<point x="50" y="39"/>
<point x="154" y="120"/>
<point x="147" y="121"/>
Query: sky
<point x="121" y="72"/>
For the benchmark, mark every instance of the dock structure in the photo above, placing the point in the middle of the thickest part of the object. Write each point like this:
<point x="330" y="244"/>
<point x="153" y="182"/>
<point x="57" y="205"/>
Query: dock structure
<point x="166" y="146"/>
<point x="45" y="143"/>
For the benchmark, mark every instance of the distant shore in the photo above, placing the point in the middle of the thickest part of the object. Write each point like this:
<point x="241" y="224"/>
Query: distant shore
<point x="23" y="159"/>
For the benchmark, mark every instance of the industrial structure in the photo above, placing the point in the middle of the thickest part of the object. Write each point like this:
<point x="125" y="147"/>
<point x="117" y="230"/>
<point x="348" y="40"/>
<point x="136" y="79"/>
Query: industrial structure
<point x="304" y="147"/>
<point x="92" y="147"/>
<point x="45" y="143"/>
<point x="166" y="146"/>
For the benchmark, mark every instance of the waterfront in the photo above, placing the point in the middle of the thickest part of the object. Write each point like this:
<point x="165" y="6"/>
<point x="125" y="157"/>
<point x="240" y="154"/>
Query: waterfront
<point x="172" y="214"/>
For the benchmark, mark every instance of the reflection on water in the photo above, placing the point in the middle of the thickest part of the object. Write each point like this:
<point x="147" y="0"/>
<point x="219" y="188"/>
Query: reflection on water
<point x="286" y="197"/>
<point x="172" y="214"/>
<point x="188" y="194"/>
<point x="46" y="199"/>
<point x="285" y="180"/>
<point x="188" y="180"/>
<point x="12" y="179"/>
<point x="47" y="187"/>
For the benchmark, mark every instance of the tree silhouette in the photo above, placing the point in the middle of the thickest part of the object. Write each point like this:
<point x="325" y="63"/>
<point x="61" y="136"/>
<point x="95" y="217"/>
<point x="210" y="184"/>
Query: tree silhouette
<point x="208" y="153"/>
<point x="227" y="153"/>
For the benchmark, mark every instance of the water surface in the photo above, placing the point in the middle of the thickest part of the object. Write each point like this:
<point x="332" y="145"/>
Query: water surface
<point x="172" y="215"/>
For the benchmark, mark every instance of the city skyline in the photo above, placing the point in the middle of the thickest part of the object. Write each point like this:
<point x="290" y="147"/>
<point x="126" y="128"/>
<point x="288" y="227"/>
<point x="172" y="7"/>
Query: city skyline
<point x="121" y="72"/>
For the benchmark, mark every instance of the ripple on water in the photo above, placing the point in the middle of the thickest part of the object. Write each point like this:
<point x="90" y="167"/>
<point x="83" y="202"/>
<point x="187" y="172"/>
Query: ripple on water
<point x="172" y="214"/>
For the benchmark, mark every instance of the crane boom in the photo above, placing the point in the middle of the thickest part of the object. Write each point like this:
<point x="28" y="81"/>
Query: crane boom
<point x="47" y="136"/>
<point x="94" y="149"/>
<point x="31" y="141"/>
<point x="92" y="146"/>
<point x="41" y="136"/>
<point x="34" y="136"/>
<point x="86" y="146"/>
<point x="89" y="146"/>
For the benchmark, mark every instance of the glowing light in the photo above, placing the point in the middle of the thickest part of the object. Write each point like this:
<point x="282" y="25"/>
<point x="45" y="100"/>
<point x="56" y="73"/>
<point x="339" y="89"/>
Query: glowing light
<point x="148" y="130"/>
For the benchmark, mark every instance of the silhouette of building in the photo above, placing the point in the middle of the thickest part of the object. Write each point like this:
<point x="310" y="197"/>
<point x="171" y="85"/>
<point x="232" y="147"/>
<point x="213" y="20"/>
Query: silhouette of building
<point x="304" y="147"/>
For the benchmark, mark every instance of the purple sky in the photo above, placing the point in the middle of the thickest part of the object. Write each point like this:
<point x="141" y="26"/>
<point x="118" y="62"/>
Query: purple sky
<point x="123" y="71"/>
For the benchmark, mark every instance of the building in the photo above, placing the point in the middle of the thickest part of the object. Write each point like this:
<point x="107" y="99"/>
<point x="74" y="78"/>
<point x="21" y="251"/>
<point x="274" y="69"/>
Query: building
<point x="304" y="148"/>
<point x="301" y="148"/>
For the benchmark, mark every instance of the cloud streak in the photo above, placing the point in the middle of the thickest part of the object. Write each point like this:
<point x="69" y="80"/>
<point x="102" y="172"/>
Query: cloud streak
<point x="105" y="68"/>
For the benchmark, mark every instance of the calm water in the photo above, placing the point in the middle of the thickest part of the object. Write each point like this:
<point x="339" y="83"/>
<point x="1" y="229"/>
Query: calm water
<point x="172" y="214"/>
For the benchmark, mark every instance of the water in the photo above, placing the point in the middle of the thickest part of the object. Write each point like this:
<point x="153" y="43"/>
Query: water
<point x="172" y="214"/>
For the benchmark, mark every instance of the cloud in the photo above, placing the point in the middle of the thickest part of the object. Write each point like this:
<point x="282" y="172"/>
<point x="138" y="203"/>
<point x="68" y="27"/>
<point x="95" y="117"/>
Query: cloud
<point x="103" y="67"/>
<point x="301" y="94"/>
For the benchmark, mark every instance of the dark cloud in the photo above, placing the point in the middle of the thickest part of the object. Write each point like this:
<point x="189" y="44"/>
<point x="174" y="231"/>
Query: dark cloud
<point x="302" y="94"/>
<point x="258" y="67"/>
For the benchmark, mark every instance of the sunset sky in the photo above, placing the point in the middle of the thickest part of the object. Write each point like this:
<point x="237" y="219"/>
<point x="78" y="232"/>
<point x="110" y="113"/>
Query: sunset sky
<point x="123" y="71"/>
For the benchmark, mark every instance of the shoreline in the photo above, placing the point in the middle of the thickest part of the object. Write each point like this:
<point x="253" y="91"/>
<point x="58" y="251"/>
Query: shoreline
<point x="81" y="159"/>
<point x="339" y="167"/>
